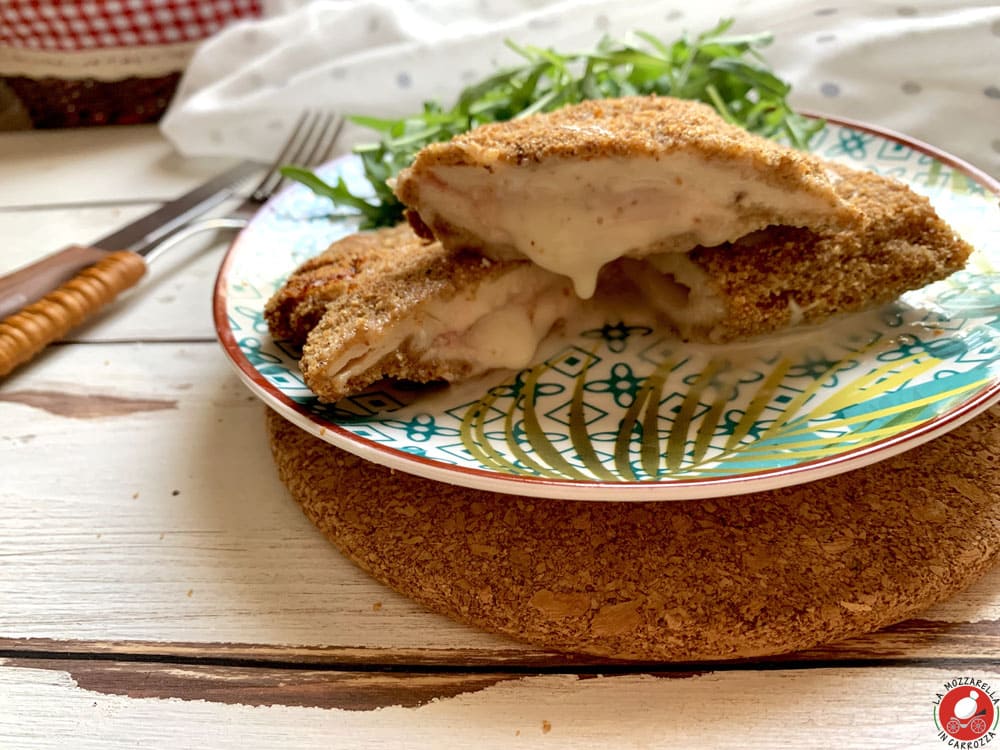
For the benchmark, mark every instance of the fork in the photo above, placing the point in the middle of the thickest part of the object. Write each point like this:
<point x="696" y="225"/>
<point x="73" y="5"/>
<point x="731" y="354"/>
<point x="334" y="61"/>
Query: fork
<point x="311" y="143"/>
<point x="26" y="333"/>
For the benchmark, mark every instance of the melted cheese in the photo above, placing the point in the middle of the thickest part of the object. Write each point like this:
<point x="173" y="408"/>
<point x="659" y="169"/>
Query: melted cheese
<point x="573" y="217"/>
<point x="496" y="325"/>
<point x="507" y="337"/>
<point x="699" y="307"/>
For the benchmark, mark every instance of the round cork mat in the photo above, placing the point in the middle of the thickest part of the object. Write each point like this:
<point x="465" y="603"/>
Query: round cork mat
<point x="751" y="575"/>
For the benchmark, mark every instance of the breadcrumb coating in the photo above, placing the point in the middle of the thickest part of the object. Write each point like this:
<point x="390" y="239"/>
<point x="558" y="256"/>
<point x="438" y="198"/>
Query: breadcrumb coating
<point x="347" y="267"/>
<point x="782" y="276"/>
<point x="627" y="127"/>
<point x="639" y="127"/>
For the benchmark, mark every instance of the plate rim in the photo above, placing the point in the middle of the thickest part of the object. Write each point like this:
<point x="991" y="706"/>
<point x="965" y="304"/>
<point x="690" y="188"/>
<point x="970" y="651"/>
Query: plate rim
<point x="598" y="490"/>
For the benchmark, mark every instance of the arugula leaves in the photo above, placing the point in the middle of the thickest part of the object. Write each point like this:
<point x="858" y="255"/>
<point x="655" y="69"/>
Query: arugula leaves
<point x="726" y="72"/>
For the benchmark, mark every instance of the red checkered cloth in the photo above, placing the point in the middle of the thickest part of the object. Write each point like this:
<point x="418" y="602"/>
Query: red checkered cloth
<point x="74" y="25"/>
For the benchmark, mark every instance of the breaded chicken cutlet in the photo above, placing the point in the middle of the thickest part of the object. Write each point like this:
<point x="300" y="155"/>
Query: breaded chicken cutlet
<point x="388" y="304"/>
<point x="395" y="306"/>
<point x="581" y="186"/>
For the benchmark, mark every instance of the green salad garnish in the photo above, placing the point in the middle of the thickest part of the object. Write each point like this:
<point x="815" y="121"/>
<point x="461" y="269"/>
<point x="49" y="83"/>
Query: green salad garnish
<point x="727" y="72"/>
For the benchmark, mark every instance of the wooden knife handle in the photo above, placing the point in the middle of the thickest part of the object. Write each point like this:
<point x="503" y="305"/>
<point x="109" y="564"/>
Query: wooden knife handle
<point x="26" y="333"/>
<point x="20" y="288"/>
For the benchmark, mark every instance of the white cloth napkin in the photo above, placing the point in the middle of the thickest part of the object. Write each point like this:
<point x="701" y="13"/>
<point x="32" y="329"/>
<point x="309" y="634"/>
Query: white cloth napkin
<point x="927" y="68"/>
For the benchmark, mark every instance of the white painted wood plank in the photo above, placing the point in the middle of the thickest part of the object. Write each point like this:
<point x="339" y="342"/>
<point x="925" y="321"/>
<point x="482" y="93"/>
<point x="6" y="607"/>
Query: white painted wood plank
<point x="31" y="234"/>
<point x="170" y="524"/>
<point x="94" y="544"/>
<point x="96" y="164"/>
<point x="842" y="708"/>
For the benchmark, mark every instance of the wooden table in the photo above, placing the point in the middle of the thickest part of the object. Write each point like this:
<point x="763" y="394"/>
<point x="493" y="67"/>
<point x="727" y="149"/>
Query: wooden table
<point x="158" y="588"/>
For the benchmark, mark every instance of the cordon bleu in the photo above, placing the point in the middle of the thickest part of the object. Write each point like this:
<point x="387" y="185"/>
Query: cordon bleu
<point x="520" y="226"/>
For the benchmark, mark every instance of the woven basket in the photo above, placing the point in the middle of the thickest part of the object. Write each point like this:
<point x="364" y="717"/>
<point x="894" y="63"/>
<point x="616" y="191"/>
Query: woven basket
<point x="72" y="63"/>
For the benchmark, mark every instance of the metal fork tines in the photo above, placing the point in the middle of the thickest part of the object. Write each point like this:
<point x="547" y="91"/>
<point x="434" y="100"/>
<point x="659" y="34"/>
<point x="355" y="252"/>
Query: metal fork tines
<point x="311" y="143"/>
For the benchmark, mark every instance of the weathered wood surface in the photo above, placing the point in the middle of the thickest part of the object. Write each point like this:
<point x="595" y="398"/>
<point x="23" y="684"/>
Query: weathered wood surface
<point x="112" y="705"/>
<point x="95" y="166"/>
<point x="174" y="527"/>
<point x="159" y="588"/>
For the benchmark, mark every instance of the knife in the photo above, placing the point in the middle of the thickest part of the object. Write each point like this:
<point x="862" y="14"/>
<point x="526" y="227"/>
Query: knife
<point x="71" y="284"/>
<point x="31" y="283"/>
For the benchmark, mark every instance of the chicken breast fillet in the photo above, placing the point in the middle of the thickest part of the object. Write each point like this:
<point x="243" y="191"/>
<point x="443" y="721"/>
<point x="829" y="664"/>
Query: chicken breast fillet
<point x="581" y="186"/>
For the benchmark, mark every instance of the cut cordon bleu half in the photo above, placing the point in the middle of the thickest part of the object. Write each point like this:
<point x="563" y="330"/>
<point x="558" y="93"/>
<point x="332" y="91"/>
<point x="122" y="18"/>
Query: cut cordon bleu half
<point x="784" y="276"/>
<point x="581" y="186"/>
<point x="395" y="306"/>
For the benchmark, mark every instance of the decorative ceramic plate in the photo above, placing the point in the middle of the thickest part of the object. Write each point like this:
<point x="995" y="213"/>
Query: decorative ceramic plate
<point x="623" y="411"/>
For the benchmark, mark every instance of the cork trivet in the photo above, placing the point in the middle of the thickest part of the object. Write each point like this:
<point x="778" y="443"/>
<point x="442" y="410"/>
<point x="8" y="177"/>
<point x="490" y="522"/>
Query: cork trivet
<point x="751" y="575"/>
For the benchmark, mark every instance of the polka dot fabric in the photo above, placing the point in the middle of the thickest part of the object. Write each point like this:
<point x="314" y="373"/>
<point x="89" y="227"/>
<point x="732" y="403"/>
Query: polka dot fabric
<point x="926" y="68"/>
<point x="71" y="25"/>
